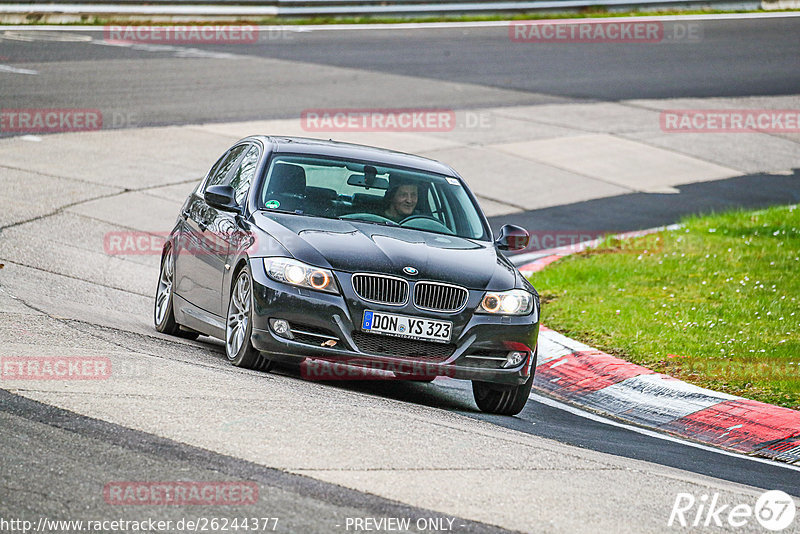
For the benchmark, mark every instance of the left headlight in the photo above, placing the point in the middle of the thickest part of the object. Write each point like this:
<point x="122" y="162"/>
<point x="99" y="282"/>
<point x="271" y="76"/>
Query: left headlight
<point x="513" y="302"/>
<point x="297" y="273"/>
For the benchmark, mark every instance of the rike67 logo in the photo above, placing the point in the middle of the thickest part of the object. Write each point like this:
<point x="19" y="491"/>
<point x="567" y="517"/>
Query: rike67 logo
<point x="774" y="510"/>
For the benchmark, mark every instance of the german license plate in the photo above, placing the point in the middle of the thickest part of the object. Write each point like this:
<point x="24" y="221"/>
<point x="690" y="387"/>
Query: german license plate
<point x="407" y="327"/>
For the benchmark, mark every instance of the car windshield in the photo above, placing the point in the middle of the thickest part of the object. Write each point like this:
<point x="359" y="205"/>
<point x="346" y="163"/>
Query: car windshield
<point x="370" y="192"/>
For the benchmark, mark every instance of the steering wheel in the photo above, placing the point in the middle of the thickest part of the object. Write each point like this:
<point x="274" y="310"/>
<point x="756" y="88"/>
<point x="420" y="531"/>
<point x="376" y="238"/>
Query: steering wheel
<point x="418" y="216"/>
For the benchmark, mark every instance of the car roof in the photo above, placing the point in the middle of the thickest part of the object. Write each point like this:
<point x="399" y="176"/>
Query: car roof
<point x="337" y="149"/>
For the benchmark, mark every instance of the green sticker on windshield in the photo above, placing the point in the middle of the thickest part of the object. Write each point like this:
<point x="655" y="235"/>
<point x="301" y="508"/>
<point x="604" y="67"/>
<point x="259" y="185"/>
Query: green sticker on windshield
<point x="272" y="204"/>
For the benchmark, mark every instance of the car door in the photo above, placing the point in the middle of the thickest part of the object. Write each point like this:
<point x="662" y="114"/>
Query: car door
<point x="202" y="247"/>
<point x="236" y="230"/>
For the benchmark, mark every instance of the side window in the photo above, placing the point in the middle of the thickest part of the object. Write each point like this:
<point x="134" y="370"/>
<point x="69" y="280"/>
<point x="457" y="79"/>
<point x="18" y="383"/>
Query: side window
<point x="439" y="207"/>
<point x="467" y="222"/>
<point x="221" y="171"/>
<point x="202" y="185"/>
<point x="242" y="177"/>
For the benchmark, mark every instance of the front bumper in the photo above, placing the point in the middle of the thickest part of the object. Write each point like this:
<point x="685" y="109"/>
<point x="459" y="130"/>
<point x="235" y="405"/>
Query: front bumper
<point x="328" y="327"/>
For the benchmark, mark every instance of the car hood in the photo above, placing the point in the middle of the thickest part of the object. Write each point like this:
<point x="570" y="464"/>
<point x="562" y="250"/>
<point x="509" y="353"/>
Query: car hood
<point x="351" y="246"/>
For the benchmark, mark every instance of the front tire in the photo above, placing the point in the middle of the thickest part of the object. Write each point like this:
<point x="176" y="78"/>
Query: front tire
<point x="239" y="326"/>
<point x="504" y="400"/>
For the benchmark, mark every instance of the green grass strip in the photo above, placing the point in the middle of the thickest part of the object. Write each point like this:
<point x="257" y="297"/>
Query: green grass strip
<point x="714" y="303"/>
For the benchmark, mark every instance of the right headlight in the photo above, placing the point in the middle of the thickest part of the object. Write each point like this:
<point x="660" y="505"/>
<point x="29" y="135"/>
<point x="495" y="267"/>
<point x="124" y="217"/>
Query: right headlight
<point x="296" y="273"/>
<point x="513" y="302"/>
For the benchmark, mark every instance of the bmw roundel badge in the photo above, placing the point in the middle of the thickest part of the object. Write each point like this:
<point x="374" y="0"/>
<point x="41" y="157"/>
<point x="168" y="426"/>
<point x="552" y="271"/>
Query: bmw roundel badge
<point x="410" y="271"/>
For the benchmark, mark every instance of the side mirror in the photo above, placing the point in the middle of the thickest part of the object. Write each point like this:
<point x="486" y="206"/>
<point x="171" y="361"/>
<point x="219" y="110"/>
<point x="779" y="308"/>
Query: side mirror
<point x="221" y="197"/>
<point x="512" y="238"/>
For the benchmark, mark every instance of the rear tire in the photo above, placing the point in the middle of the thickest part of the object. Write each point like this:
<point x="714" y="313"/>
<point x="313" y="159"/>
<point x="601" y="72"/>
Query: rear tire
<point x="239" y="326"/>
<point x="163" y="313"/>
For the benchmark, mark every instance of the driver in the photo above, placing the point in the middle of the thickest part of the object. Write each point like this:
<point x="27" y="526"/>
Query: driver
<point x="401" y="201"/>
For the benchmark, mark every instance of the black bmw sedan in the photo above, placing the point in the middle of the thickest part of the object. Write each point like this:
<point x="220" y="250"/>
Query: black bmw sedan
<point x="333" y="254"/>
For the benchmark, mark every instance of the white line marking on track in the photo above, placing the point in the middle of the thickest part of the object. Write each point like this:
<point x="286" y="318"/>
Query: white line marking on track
<point x="177" y="51"/>
<point x="652" y="433"/>
<point x="16" y="70"/>
<point x="39" y="35"/>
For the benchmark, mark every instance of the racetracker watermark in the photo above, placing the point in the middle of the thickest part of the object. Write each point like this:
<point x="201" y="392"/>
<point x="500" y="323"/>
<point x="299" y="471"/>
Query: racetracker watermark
<point x="378" y="120"/>
<point x="774" y="510"/>
<point x="55" y="368"/>
<point x="49" y="120"/>
<point x="546" y="239"/>
<point x="188" y="35"/>
<point x="732" y="369"/>
<point x="730" y="120"/>
<point x="181" y="493"/>
<point x="373" y="370"/>
<point x="135" y="243"/>
<point x="617" y="31"/>
<point x="578" y="241"/>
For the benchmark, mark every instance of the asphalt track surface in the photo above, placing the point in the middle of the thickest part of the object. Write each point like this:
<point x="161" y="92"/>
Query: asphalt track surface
<point x="542" y="419"/>
<point x="731" y="58"/>
<point x="143" y="85"/>
<point x="734" y="59"/>
<point x="64" y="439"/>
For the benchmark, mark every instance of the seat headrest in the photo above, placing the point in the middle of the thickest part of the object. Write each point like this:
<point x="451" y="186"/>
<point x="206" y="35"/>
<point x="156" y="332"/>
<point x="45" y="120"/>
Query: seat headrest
<point x="287" y="178"/>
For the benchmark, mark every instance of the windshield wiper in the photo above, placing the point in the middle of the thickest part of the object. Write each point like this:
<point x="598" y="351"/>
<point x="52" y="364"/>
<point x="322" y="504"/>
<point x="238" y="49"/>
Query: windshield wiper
<point x="297" y="212"/>
<point x="382" y="223"/>
<point x="303" y="214"/>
